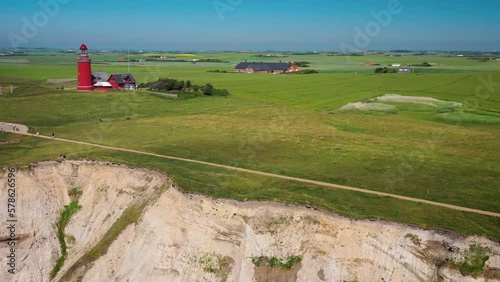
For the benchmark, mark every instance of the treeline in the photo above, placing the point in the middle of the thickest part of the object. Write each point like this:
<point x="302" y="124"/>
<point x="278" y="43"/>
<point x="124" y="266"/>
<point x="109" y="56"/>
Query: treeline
<point x="269" y="56"/>
<point x="400" y="51"/>
<point x="301" y="64"/>
<point x="424" y="64"/>
<point x="308" y="71"/>
<point x="303" y="53"/>
<point x="181" y="86"/>
<point x="385" y="70"/>
<point x="482" y="58"/>
<point x="159" y="59"/>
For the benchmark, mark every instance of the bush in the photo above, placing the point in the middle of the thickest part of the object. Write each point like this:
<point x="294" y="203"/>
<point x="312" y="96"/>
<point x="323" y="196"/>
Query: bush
<point x="273" y="262"/>
<point x="210" y="263"/>
<point x="180" y="86"/>
<point x="208" y="89"/>
<point x="75" y="192"/>
<point x="220" y="92"/>
<point x="309" y="71"/>
<point x="385" y="70"/>
<point x="218" y="71"/>
<point x="424" y="64"/>
<point x="289" y="264"/>
<point x="257" y="261"/>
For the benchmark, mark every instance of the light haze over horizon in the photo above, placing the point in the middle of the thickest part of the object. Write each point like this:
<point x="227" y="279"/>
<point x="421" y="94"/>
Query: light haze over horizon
<point x="292" y="25"/>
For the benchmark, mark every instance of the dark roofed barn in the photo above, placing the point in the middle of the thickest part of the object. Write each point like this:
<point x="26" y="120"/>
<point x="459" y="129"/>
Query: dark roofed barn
<point x="247" y="67"/>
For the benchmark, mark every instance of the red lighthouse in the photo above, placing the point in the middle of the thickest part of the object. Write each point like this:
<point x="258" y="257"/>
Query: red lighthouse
<point x="84" y="70"/>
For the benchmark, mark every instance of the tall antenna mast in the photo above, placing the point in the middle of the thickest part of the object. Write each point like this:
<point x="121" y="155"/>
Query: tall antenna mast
<point x="128" y="59"/>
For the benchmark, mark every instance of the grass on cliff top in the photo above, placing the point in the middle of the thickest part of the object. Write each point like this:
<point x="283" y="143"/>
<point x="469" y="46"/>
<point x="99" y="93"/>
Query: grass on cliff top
<point x="221" y="183"/>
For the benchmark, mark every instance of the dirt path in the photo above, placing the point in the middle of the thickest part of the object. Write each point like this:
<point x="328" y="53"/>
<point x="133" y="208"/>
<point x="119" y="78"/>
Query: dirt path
<point x="12" y="127"/>
<point x="302" y="180"/>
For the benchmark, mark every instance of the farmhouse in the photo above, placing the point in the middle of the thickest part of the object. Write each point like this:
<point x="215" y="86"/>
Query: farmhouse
<point x="261" y="68"/>
<point x="123" y="81"/>
<point x="102" y="81"/>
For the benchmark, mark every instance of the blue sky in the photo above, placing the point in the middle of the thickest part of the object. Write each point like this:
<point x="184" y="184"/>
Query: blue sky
<point x="252" y="24"/>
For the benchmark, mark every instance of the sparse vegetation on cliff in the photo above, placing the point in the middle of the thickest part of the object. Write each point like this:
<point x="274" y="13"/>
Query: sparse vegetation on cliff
<point x="284" y="264"/>
<point x="66" y="215"/>
<point x="473" y="261"/>
<point x="414" y="238"/>
<point x="130" y="216"/>
<point x="75" y="192"/>
<point x="217" y="265"/>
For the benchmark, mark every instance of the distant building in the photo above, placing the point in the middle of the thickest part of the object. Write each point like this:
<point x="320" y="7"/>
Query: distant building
<point x="396" y="65"/>
<point x="404" y="70"/>
<point x="261" y="68"/>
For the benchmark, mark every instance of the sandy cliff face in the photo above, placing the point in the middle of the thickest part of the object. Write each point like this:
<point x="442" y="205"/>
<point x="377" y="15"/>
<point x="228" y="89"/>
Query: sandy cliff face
<point x="181" y="237"/>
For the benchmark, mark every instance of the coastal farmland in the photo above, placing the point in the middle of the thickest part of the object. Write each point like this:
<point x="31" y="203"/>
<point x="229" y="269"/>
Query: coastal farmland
<point x="283" y="124"/>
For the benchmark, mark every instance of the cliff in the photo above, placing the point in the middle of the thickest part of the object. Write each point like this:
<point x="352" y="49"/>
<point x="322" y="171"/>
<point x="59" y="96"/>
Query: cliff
<point x="134" y="225"/>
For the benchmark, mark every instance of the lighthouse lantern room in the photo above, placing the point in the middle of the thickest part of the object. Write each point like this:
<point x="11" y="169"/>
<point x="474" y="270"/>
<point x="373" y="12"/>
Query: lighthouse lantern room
<point x="84" y="70"/>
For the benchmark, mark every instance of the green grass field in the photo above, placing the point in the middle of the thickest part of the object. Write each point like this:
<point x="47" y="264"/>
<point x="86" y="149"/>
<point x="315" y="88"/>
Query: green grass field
<point x="284" y="124"/>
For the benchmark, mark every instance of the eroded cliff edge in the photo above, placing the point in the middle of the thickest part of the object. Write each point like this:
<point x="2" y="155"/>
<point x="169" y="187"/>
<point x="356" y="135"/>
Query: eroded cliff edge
<point x="134" y="225"/>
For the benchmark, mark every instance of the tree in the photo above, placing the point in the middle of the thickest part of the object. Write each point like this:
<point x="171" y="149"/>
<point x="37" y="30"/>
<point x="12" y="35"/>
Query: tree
<point x="385" y="70"/>
<point x="179" y="85"/>
<point x="208" y="89"/>
<point x="220" y="92"/>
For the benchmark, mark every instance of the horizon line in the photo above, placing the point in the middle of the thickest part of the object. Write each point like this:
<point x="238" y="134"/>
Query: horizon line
<point x="395" y="50"/>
